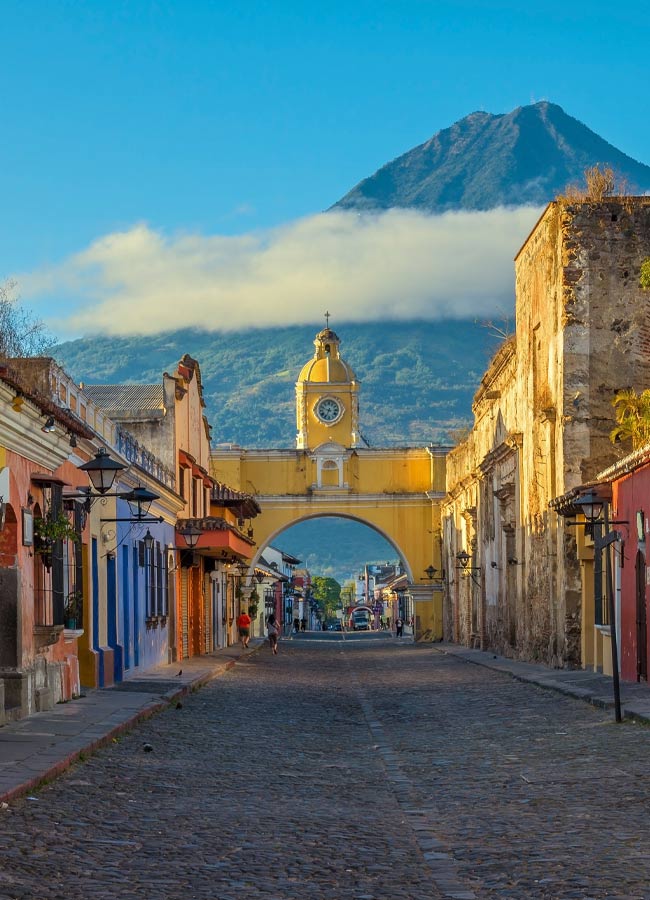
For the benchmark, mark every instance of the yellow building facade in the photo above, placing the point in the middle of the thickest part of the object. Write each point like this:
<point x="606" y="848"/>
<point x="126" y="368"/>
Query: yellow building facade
<point x="395" y="491"/>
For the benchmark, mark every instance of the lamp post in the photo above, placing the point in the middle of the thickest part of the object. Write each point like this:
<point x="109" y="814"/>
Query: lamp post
<point x="475" y="600"/>
<point x="593" y="507"/>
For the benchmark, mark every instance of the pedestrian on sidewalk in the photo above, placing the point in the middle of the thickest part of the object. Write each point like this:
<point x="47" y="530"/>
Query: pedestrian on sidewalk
<point x="273" y="630"/>
<point x="244" y="628"/>
<point x="399" y="627"/>
<point x="303" y="624"/>
<point x="296" y="625"/>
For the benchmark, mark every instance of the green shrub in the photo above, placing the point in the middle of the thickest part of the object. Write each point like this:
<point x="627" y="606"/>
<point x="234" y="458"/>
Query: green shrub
<point x="644" y="277"/>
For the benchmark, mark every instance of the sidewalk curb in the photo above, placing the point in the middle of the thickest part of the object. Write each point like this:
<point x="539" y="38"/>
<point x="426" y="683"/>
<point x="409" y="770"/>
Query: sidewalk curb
<point x="547" y="683"/>
<point x="147" y="712"/>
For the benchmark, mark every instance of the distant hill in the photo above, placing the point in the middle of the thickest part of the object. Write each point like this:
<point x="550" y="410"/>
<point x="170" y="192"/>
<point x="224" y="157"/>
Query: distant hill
<point x="526" y="156"/>
<point x="417" y="378"/>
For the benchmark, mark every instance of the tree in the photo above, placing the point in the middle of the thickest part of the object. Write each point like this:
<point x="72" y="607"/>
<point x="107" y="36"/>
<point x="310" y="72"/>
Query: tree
<point x="632" y="418"/>
<point x="327" y="593"/>
<point x="20" y="333"/>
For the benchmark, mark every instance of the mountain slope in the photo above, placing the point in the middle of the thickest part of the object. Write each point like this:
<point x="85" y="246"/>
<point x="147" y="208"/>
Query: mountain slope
<point x="527" y="156"/>
<point x="417" y="378"/>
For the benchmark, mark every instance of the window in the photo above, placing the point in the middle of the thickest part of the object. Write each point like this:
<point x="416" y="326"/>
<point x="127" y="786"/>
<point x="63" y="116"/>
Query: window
<point x="161" y="581"/>
<point x="156" y="574"/>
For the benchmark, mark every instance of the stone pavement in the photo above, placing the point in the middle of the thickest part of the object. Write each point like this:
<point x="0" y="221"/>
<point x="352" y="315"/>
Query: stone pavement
<point x="346" y="770"/>
<point x="38" y="748"/>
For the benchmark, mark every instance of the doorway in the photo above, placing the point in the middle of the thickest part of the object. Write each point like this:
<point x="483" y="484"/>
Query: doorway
<point x="641" y="620"/>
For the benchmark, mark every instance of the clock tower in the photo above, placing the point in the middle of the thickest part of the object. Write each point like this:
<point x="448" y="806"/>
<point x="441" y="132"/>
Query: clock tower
<point x="327" y="398"/>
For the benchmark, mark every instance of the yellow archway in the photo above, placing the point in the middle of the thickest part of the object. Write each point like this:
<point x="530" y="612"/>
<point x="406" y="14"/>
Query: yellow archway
<point x="332" y="472"/>
<point x="395" y="492"/>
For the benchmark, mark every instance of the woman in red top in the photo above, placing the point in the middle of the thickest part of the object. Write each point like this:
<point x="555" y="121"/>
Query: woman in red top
<point x="244" y="626"/>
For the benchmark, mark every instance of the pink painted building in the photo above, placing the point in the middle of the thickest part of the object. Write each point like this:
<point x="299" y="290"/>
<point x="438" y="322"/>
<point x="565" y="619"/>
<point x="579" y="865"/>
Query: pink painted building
<point x="630" y="506"/>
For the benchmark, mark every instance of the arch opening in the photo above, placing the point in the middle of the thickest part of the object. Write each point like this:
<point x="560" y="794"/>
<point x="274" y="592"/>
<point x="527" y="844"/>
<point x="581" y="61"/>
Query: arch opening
<point x="344" y="574"/>
<point x="355" y="540"/>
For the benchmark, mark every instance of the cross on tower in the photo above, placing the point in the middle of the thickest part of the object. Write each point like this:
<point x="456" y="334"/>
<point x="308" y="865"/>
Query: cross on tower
<point x="327" y="319"/>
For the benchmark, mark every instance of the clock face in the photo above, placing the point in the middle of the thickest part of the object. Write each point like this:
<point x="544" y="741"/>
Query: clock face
<point x="328" y="410"/>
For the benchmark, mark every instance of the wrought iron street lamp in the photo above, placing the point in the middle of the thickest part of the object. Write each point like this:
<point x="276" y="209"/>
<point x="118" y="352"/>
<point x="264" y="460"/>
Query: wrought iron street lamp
<point x="591" y="505"/>
<point x="102" y="471"/>
<point x="140" y="500"/>
<point x="431" y="571"/>
<point x="464" y="559"/>
<point x="191" y="535"/>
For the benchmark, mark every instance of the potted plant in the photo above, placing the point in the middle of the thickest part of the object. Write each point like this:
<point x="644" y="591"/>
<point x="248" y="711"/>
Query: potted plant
<point x="49" y="529"/>
<point x="52" y="528"/>
<point x="73" y="610"/>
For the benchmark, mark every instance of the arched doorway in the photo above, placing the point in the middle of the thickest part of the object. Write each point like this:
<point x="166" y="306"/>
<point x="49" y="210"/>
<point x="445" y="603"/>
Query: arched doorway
<point x="641" y="619"/>
<point x="9" y="591"/>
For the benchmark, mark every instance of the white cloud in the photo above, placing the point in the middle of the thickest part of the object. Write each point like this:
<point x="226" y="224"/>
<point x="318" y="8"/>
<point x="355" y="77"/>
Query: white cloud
<point x="395" y="265"/>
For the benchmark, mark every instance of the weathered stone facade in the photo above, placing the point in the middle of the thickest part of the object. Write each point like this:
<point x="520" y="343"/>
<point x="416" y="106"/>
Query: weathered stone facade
<point x="542" y="418"/>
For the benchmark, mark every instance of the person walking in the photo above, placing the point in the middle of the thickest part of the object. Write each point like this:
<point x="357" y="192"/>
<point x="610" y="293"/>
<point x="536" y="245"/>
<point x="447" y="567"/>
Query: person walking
<point x="399" y="626"/>
<point x="273" y="630"/>
<point x="303" y="624"/>
<point x="244" y="628"/>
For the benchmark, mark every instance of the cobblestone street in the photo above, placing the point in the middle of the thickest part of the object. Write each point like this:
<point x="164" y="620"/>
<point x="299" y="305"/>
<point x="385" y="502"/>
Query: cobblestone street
<point x="347" y="769"/>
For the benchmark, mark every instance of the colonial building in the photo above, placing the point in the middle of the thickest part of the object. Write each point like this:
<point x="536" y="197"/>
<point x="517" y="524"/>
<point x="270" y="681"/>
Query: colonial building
<point x="542" y="418"/>
<point x="42" y="544"/>
<point x="119" y="564"/>
<point x="210" y="537"/>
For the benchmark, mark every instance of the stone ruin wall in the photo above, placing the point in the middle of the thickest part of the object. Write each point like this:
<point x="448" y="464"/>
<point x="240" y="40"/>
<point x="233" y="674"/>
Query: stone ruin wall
<point x="583" y="334"/>
<point x="539" y="291"/>
<point x="478" y="469"/>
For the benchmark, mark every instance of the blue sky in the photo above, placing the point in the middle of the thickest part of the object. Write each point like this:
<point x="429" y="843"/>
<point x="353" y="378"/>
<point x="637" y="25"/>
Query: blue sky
<point x="215" y="119"/>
